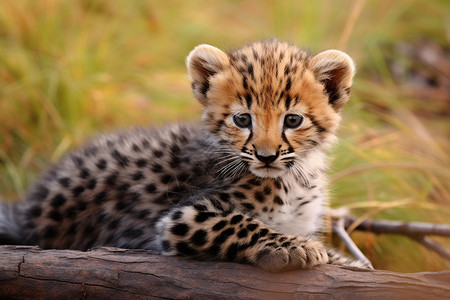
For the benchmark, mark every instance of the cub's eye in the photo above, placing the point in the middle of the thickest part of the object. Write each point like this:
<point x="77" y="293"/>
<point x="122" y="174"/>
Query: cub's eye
<point x="243" y="121"/>
<point x="293" y="121"/>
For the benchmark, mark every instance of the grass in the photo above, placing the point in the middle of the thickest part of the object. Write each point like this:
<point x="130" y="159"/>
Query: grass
<point x="69" y="69"/>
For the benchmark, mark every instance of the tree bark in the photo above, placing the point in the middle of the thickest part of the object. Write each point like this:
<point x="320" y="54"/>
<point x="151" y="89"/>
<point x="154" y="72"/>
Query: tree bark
<point x="32" y="273"/>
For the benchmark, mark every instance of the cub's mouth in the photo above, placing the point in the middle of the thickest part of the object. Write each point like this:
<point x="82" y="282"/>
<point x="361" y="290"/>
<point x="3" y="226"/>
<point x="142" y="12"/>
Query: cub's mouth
<point x="268" y="171"/>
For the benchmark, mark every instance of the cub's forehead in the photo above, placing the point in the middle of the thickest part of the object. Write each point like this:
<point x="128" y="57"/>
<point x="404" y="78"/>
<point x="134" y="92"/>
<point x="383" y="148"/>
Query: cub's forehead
<point x="269" y="73"/>
<point x="270" y="55"/>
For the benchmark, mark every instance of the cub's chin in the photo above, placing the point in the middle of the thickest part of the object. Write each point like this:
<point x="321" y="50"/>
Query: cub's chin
<point x="268" y="171"/>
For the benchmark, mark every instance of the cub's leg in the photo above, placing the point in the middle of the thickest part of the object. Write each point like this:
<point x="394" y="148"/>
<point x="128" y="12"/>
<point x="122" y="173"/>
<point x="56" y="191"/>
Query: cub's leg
<point x="209" y="234"/>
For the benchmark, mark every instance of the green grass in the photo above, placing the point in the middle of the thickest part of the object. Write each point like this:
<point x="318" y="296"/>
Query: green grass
<point x="70" y="69"/>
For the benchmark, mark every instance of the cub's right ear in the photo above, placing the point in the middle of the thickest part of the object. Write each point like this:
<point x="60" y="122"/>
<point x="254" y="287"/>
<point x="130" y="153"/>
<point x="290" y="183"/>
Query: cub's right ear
<point x="202" y="63"/>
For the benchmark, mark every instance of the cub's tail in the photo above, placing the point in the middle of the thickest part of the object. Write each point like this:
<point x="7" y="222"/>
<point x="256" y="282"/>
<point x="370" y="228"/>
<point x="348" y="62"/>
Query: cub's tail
<point x="11" y="230"/>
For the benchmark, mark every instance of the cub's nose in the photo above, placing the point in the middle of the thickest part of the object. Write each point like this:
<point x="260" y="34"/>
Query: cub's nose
<point x="266" y="159"/>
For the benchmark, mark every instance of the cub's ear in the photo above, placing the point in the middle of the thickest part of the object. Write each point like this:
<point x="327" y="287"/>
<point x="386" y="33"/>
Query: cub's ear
<point x="202" y="63"/>
<point x="335" y="70"/>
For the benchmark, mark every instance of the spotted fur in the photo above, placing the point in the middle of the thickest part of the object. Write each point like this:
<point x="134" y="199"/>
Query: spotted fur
<point x="247" y="184"/>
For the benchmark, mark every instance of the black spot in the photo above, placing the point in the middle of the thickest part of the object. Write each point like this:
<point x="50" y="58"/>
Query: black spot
<point x="219" y="225"/>
<point x="263" y="232"/>
<point x="278" y="183"/>
<point x="113" y="224"/>
<point x="200" y="207"/>
<point x="198" y="171"/>
<point x="265" y="209"/>
<point x="158" y="153"/>
<point x="35" y="211"/>
<point x="232" y="252"/>
<point x="166" y="179"/>
<point x="71" y="212"/>
<point x="41" y="192"/>
<point x="145" y="143"/>
<point x="100" y="197"/>
<point x="203" y="216"/>
<point x="136" y="148"/>
<point x="224" y="197"/>
<point x="250" y="71"/>
<point x="183" y="177"/>
<point x="217" y="204"/>
<point x="175" y="149"/>
<point x="252" y="226"/>
<point x="157" y="168"/>
<point x="133" y="233"/>
<point x="175" y="162"/>
<point x="242" y="233"/>
<point x="180" y="229"/>
<point x="135" y="197"/>
<point x="288" y="102"/>
<point x="141" y="163"/>
<point x="101" y="164"/>
<point x="246" y="186"/>
<point x="77" y="161"/>
<point x="120" y="158"/>
<point x="81" y="205"/>
<point x="199" y="238"/>
<point x="49" y="232"/>
<point x="223" y="236"/>
<point x="259" y="196"/>
<point x="123" y="187"/>
<point x="55" y="215"/>
<point x="161" y="200"/>
<point x="92" y="184"/>
<point x="84" y="173"/>
<point x="111" y="179"/>
<point x="239" y="195"/>
<point x="72" y="229"/>
<point x="319" y="128"/>
<point x="143" y="214"/>
<point x="90" y="243"/>
<point x="101" y="217"/>
<point x="288" y="85"/>
<point x="166" y="246"/>
<point x="78" y="190"/>
<point x="121" y="205"/>
<point x="244" y="82"/>
<point x="177" y="215"/>
<point x="267" y="190"/>
<point x="248" y="99"/>
<point x="304" y="203"/>
<point x="137" y="176"/>
<point x="255" y="238"/>
<point x="58" y="200"/>
<point x="286" y="244"/>
<point x="236" y="219"/>
<point x="183" y="248"/>
<point x="248" y="205"/>
<point x="255" y="182"/>
<point x="65" y="181"/>
<point x="150" y="188"/>
<point x="278" y="200"/>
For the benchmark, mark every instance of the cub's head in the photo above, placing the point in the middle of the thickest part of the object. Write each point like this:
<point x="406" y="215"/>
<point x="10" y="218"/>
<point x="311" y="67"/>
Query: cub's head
<point x="271" y="104"/>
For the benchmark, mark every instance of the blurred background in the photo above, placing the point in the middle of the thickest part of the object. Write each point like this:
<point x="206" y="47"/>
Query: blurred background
<point x="70" y="69"/>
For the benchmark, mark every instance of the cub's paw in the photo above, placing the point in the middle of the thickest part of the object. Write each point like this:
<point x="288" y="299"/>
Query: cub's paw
<point x="291" y="253"/>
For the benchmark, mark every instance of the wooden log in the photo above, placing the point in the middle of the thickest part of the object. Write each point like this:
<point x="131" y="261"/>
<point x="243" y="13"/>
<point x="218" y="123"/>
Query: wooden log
<point x="112" y="273"/>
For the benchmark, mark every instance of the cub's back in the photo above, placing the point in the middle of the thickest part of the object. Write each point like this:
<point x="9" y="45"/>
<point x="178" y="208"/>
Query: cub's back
<point x="113" y="181"/>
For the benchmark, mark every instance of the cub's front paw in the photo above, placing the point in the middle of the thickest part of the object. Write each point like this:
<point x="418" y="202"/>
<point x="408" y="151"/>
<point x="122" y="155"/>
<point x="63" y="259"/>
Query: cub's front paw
<point x="291" y="253"/>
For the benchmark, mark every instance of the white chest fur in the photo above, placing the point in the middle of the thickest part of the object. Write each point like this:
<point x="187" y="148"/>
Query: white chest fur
<point x="303" y="208"/>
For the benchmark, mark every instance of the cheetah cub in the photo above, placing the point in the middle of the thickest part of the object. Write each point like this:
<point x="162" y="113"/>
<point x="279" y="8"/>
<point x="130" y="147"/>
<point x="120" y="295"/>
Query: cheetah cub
<point x="247" y="184"/>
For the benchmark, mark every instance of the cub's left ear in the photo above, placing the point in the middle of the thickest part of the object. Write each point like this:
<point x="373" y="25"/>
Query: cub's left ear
<point x="335" y="70"/>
